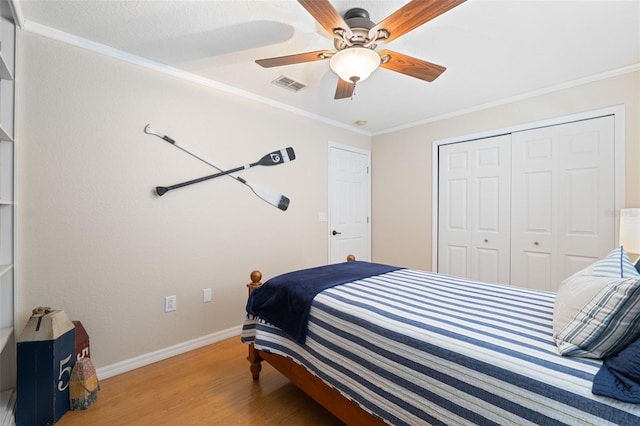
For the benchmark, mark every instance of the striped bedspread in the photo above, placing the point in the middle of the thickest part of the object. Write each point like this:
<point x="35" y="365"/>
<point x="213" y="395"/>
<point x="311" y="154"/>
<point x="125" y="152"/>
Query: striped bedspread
<point x="415" y="347"/>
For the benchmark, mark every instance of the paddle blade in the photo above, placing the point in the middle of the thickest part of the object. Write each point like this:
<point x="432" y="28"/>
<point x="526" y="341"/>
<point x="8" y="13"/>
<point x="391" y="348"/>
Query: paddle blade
<point x="161" y="190"/>
<point x="278" y="157"/>
<point x="275" y="199"/>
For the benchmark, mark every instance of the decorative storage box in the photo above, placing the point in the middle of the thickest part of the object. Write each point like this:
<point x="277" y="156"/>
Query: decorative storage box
<point x="46" y="355"/>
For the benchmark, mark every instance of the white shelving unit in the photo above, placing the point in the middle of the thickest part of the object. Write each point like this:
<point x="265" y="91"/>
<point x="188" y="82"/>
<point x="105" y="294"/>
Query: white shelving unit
<point x="7" y="284"/>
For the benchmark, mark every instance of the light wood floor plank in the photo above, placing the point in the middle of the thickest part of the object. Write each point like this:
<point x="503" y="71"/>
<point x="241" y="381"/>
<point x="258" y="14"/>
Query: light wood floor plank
<point x="208" y="386"/>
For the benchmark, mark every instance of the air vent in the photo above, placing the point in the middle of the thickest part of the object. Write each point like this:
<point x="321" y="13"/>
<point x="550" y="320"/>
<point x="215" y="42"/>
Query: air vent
<point x="289" y="83"/>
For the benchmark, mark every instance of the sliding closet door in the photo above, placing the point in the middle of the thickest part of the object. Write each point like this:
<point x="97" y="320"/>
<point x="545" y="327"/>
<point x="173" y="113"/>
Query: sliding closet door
<point x="562" y="200"/>
<point x="473" y="228"/>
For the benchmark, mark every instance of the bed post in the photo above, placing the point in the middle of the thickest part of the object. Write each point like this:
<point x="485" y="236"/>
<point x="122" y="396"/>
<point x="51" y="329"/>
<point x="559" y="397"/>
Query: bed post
<point x="255" y="361"/>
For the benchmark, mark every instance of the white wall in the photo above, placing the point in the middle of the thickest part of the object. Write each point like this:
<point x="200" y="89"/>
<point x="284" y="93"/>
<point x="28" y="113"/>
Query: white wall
<point x="401" y="208"/>
<point x="95" y="241"/>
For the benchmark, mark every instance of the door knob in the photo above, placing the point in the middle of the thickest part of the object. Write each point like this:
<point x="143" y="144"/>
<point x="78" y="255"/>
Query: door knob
<point x="334" y="232"/>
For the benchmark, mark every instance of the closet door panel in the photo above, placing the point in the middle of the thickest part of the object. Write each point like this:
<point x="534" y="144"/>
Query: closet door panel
<point x="536" y="201"/>
<point x="587" y="229"/>
<point x="488" y="190"/>
<point x="487" y="265"/>
<point x="563" y="196"/>
<point x="454" y="211"/>
<point x="457" y="205"/>
<point x="533" y="207"/>
<point x="473" y="212"/>
<point x="537" y="270"/>
<point x="456" y="261"/>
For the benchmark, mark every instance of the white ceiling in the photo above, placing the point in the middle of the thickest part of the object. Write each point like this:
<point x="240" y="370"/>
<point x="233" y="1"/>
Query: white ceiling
<point x="493" y="49"/>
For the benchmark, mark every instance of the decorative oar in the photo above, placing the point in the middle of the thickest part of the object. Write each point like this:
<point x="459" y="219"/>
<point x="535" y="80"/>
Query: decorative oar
<point x="272" y="159"/>
<point x="270" y="196"/>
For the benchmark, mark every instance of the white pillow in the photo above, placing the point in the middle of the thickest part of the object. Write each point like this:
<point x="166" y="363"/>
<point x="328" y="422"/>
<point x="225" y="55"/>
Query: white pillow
<point x="597" y="310"/>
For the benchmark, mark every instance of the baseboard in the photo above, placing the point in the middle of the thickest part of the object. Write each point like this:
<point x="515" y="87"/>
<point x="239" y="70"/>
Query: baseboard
<point x="159" y="355"/>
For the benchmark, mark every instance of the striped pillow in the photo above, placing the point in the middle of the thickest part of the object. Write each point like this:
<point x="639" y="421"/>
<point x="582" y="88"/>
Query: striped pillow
<point x="597" y="310"/>
<point x="616" y="264"/>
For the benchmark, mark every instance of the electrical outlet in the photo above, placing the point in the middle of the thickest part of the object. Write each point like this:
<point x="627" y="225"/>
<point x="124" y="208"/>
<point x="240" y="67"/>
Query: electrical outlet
<point x="206" y="295"/>
<point x="170" y="303"/>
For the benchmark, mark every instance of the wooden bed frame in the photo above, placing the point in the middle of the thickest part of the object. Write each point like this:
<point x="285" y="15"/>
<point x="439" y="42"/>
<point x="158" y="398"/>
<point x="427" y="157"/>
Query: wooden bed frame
<point x="340" y="406"/>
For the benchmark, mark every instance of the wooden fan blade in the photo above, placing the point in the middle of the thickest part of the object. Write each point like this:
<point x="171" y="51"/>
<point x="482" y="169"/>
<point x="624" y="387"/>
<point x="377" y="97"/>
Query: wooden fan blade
<point x="411" y="66"/>
<point x="412" y="15"/>
<point x="325" y="14"/>
<point x="298" y="58"/>
<point x="344" y="89"/>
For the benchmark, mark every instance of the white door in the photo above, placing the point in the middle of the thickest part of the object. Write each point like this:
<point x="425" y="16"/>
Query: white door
<point x="563" y="199"/>
<point x="474" y="209"/>
<point x="349" y="203"/>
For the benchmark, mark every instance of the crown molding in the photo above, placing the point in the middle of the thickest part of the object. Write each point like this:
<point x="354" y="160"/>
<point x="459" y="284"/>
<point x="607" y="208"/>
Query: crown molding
<point x="102" y="49"/>
<point x="520" y="97"/>
<point x="54" y="34"/>
<point x="16" y="11"/>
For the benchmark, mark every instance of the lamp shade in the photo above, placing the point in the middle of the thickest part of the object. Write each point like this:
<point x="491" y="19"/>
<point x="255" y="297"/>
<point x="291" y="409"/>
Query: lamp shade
<point x="354" y="63"/>
<point x="630" y="230"/>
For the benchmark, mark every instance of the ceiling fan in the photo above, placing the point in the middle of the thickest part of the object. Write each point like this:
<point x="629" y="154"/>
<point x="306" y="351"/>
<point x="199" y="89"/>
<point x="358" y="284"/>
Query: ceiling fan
<point x="356" y="38"/>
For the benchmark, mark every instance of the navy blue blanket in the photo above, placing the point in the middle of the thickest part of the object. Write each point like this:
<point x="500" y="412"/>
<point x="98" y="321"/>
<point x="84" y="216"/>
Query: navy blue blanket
<point x="619" y="376"/>
<point x="285" y="300"/>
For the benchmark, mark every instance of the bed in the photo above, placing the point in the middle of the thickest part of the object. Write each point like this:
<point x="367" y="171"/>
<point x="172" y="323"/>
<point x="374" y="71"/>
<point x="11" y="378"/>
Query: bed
<point x="409" y="347"/>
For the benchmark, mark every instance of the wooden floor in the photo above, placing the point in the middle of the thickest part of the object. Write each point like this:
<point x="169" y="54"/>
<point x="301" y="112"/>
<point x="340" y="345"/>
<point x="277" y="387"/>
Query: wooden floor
<point x="209" y="386"/>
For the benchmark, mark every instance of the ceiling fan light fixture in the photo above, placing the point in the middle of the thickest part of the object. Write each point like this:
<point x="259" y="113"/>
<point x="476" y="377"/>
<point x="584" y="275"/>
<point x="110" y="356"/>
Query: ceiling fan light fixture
<point x="354" y="63"/>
